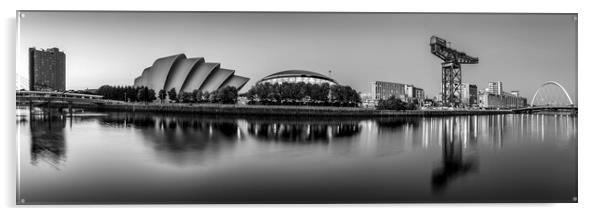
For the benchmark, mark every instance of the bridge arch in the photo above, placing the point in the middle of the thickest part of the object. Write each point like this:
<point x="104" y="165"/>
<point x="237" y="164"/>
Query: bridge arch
<point x="552" y="83"/>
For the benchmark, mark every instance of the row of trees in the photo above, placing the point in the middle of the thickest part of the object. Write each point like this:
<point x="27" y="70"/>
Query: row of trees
<point x="227" y="95"/>
<point x="127" y="93"/>
<point x="394" y="103"/>
<point x="265" y="93"/>
<point x="303" y="94"/>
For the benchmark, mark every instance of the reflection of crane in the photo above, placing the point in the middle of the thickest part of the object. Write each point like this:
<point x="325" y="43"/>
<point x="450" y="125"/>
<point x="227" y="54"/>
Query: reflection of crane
<point x="451" y="71"/>
<point x="455" y="163"/>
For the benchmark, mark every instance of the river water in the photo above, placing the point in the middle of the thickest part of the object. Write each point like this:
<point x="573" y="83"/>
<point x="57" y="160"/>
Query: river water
<point x="154" y="158"/>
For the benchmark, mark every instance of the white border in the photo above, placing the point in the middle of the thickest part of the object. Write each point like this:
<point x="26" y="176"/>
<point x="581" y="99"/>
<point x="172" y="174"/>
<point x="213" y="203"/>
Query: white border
<point x="18" y="140"/>
<point x="590" y="147"/>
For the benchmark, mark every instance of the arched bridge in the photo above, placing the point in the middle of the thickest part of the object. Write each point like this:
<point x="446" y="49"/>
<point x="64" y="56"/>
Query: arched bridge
<point x="551" y="96"/>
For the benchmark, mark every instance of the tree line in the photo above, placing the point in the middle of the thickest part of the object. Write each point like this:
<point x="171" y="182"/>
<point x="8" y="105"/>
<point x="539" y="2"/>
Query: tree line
<point x="394" y="103"/>
<point x="302" y="93"/>
<point x="226" y="95"/>
<point x="127" y="93"/>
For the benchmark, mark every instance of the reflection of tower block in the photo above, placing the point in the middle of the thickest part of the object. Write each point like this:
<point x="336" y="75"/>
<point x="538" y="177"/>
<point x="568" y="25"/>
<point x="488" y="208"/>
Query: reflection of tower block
<point x="451" y="81"/>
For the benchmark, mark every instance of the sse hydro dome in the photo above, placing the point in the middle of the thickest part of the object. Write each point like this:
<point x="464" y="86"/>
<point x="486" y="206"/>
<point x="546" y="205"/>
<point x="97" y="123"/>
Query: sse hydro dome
<point x="294" y="76"/>
<point x="188" y="74"/>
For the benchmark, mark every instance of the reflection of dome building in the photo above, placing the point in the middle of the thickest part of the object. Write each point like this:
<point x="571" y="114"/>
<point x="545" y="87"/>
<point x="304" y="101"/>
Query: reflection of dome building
<point x="188" y="74"/>
<point x="294" y="76"/>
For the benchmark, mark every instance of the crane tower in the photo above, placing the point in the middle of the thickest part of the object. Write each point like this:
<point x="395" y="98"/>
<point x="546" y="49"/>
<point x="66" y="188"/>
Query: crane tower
<point x="451" y="69"/>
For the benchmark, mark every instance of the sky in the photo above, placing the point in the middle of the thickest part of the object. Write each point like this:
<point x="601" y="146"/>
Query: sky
<point x="521" y="50"/>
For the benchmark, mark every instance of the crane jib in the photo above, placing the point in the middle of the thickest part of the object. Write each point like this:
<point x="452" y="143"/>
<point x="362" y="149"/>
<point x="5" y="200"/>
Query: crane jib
<point x="451" y="70"/>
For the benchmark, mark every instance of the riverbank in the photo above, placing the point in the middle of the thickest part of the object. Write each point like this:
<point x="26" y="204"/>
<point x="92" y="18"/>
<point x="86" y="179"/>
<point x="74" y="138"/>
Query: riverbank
<point x="231" y="109"/>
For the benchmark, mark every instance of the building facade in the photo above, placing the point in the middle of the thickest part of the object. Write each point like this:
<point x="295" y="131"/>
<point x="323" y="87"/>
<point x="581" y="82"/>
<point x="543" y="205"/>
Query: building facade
<point x="46" y="69"/>
<point x="419" y="93"/>
<point x="470" y="94"/>
<point x="496" y="88"/>
<point x="409" y="91"/>
<point x="502" y="101"/>
<point x="381" y="90"/>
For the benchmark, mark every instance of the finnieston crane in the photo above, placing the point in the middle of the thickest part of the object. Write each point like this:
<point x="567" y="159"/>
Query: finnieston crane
<point x="451" y="70"/>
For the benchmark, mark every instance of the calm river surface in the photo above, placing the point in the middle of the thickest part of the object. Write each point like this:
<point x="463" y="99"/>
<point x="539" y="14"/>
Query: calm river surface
<point x="153" y="158"/>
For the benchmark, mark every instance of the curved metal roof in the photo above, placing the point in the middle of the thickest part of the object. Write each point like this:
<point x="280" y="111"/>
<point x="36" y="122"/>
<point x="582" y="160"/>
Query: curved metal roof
<point x="215" y="80"/>
<point x="181" y="72"/>
<point x="297" y="73"/>
<point x="187" y="74"/>
<point x="156" y="77"/>
<point x="199" y="76"/>
<point x="235" y="81"/>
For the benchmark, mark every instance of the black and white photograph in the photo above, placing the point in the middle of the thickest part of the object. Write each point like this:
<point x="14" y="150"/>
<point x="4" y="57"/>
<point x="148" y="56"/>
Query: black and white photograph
<point x="209" y="107"/>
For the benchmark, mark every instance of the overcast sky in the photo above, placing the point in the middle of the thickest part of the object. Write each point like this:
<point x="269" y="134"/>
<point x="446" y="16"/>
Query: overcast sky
<point x="113" y="48"/>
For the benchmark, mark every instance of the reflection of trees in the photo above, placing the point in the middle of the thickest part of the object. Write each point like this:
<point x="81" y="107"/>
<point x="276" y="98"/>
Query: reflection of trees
<point x="302" y="130"/>
<point x="181" y="139"/>
<point x="47" y="140"/>
<point x="191" y="134"/>
<point x="454" y="164"/>
<point x="346" y="130"/>
<point x="396" y="123"/>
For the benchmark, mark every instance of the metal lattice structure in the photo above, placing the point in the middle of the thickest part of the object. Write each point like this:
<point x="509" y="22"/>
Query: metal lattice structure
<point x="451" y="69"/>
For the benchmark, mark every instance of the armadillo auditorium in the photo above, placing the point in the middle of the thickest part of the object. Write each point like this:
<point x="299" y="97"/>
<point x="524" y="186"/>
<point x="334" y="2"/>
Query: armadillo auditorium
<point x="188" y="74"/>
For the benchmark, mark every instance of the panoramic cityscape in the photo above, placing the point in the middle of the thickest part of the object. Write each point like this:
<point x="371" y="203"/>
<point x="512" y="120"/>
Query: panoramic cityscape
<point x="303" y="132"/>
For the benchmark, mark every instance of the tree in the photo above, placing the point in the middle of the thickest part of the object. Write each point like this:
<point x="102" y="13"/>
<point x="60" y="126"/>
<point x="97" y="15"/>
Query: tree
<point x="131" y="93"/>
<point x="194" y="94"/>
<point x="206" y="96"/>
<point x="345" y="96"/>
<point x="392" y="103"/>
<point x="185" y="97"/>
<point x="198" y="96"/>
<point x="150" y="95"/>
<point x="173" y="95"/>
<point x="413" y="104"/>
<point x="142" y="94"/>
<point x="104" y="91"/>
<point x="124" y="93"/>
<point x="319" y="92"/>
<point x="162" y="95"/>
<point x="227" y="95"/>
<point x="303" y="93"/>
<point x="287" y="91"/>
<point x="212" y="97"/>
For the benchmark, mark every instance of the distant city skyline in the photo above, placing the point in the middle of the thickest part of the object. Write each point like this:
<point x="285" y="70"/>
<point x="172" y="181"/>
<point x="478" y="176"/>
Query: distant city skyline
<point x="520" y="50"/>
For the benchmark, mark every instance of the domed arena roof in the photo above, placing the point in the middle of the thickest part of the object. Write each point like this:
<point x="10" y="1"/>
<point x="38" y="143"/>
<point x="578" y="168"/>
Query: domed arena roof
<point x="297" y="73"/>
<point x="188" y="74"/>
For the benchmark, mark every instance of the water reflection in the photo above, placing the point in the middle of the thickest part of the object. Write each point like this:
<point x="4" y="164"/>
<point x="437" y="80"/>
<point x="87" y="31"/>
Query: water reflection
<point x="391" y="124"/>
<point x="47" y="140"/>
<point x="261" y="159"/>
<point x="179" y="139"/>
<point x="301" y="131"/>
<point x="456" y="134"/>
